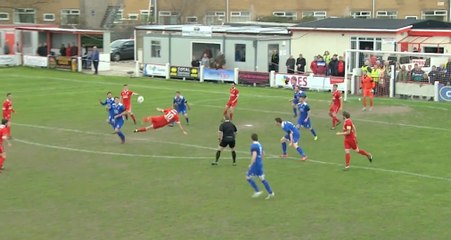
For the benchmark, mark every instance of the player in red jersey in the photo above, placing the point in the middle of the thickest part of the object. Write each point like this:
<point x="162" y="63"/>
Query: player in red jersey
<point x="3" y="136"/>
<point x="7" y="111"/>
<point x="350" y="133"/>
<point x="170" y="115"/>
<point x="126" y="97"/>
<point x="233" y="100"/>
<point x="335" y="106"/>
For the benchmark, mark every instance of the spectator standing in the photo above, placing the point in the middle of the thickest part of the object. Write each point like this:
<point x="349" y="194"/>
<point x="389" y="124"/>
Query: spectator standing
<point x="433" y="75"/>
<point x="74" y="50"/>
<point x="375" y="74"/>
<point x="314" y="65"/>
<point x="448" y="72"/>
<point x="300" y="63"/>
<point x="84" y="56"/>
<point x="195" y="62"/>
<point x="62" y="50"/>
<point x="205" y="61"/>
<point x="321" y="66"/>
<point x="417" y="74"/>
<point x="326" y="57"/>
<point x="403" y="74"/>
<point x="95" y="59"/>
<point x="220" y="60"/>
<point x="6" y="49"/>
<point x="341" y="67"/>
<point x="274" y="65"/>
<point x="68" y="53"/>
<point x="290" y="63"/>
<point x="333" y="66"/>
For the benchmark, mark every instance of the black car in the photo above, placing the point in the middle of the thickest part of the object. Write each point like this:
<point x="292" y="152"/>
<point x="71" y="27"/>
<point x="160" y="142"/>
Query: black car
<point x="122" y="49"/>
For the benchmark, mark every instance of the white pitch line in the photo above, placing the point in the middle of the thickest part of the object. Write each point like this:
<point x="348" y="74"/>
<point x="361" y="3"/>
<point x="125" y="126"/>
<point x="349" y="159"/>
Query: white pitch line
<point x="356" y="119"/>
<point x="400" y="172"/>
<point x="104" y="153"/>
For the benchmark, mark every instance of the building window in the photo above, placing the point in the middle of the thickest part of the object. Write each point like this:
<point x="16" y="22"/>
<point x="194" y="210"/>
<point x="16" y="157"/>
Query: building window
<point x="70" y="16"/>
<point x="191" y="20"/>
<point x="4" y="16"/>
<point x="240" y="52"/>
<point x="119" y="16"/>
<point x="318" y="15"/>
<point x="133" y="16"/>
<point x="361" y="14"/>
<point x="439" y="15"/>
<point x="155" y="49"/>
<point x="214" y="17"/>
<point x="48" y="17"/>
<point x="288" y="15"/>
<point x="144" y="15"/>
<point x="168" y="17"/>
<point x="411" y="17"/>
<point x="387" y="14"/>
<point x="24" y="15"/>
<point x="239" y="16"/>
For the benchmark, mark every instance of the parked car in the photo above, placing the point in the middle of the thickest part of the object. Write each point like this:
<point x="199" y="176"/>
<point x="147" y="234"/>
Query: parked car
<point x="122" y="49"/>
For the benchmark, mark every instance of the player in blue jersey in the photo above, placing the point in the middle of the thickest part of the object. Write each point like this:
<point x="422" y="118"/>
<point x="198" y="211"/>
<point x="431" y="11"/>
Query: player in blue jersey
<point x="298" y="93"/>
<point x="119" y="112"/>
<point x="256" y="169"/>
<point x="304" y="117"/>
<point x="181" y="105"/>
<point x="108" y="102"/>
<point x="292" y="137"/>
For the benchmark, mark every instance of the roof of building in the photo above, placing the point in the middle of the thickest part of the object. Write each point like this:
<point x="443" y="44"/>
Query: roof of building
<point x="361" y="24"/>
<point x="61" y="30"/>
<point x="242" y="29"/>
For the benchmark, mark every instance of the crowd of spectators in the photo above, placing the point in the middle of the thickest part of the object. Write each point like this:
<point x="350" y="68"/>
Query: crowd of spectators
<point x="322" y="65"/>
<point x="208" y="61"/>
<point x="407" y="73"/>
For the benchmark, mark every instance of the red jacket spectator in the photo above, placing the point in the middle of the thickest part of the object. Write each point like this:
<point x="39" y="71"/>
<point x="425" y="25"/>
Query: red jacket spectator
<point x="68" y="53"/>
<point x="314" y="66"/>
<point x="341" y="67"/>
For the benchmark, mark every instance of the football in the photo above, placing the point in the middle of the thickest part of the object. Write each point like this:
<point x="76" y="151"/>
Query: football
<point x="140" y="99"/>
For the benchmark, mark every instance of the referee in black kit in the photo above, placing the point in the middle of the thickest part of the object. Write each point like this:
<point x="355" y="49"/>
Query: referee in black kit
<point x="226" y="136"/>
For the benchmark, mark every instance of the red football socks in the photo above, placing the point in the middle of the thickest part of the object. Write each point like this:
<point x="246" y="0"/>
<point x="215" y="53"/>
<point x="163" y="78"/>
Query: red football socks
<point x="133" y="117"/>
<point x="371" y="102"/>
<point x="348" y="159"/>
<point x="2" y="160"/>
<point x="363" y="152"/>
<point x="143" y="129"/>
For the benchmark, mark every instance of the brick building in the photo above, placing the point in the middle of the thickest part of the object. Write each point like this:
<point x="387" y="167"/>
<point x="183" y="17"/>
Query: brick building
<point x="107" y="13"/>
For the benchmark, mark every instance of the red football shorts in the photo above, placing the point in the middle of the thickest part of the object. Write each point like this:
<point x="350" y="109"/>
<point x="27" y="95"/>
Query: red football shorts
<point x="157" y="121"/>
<point x="367" y="93"/>
<point x="334" y="109"/>
<point x="351" y="144"/>
<point x="128" y="107"/>
<point x="232" y="104"/>
<point x="7" y="116"/>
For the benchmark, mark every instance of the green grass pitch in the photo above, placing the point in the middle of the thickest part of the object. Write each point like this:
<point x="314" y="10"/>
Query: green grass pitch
<point x="69" y="178"/>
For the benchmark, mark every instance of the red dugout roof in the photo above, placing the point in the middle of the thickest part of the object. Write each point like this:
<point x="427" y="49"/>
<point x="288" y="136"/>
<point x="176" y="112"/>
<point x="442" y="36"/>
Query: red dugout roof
<point x="61" y="30"/>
